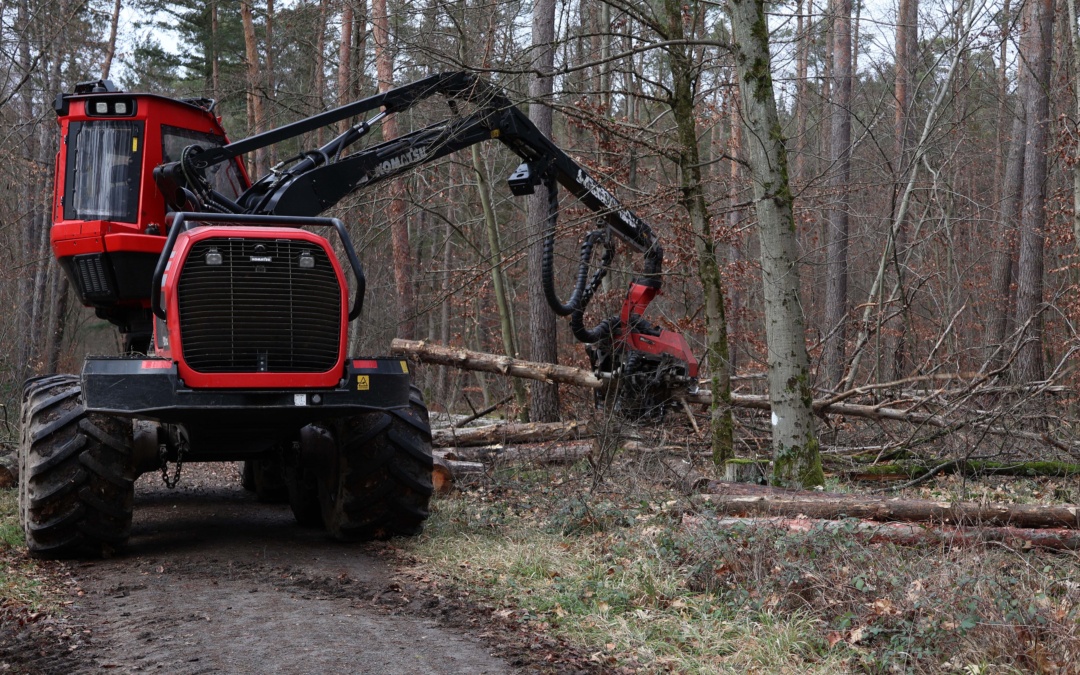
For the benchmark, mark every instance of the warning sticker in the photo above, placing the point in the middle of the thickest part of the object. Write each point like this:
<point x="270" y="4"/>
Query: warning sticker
<point x="404" y="367"/>
<point x="363" y="382"/>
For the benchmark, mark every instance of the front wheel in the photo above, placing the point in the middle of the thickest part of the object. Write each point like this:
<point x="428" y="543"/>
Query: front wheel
<point x="77" y="473"/>
<point x="380" y="484"/>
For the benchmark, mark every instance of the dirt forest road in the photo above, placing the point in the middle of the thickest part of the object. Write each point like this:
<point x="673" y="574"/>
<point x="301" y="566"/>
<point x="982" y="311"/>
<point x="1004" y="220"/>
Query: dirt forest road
<point x="214" y="582"/>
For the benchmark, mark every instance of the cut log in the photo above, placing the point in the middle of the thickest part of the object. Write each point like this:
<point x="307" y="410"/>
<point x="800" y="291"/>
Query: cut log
<point x="910" y="534"/>
<point x="543" y="454"/>
<point x="510" y="433"/>
<point x="535" y="453"/>
<point x="740" y="499"/>
<point x="447" y="472"/>
<point x="684" y="476"/>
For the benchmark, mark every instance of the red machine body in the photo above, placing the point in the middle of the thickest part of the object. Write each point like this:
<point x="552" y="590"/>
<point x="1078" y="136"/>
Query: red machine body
<point x="108" y="216"/>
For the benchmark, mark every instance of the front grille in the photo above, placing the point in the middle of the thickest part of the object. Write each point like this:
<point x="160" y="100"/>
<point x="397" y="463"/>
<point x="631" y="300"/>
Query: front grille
<point x="259" y="311"/>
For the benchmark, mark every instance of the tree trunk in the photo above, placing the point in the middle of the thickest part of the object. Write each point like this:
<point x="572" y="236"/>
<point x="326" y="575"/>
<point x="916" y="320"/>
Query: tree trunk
<point x="215" y="51"/>
<point x="907" y="41"/>
<point x="836" y="246"/>
<point x="534" y="432"/>
<point x="795" y="447"/>
<point x="1074" y="35"/>
<point x="1004" y="250"/>
<point x="344" y="73"/>
<point x="543" y="342"/>
<point x="399" y="227"/>
<point x="685" y="76"/>
<point x="802" y="56"/>
<point x="257" y="110"/>
<point x="110" y="44"/>
<point x="502" y="302"/>
<point x="1036" y="49"/>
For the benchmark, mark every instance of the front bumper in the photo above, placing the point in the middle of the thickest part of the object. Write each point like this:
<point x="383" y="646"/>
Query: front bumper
<point x="150" y="388"/>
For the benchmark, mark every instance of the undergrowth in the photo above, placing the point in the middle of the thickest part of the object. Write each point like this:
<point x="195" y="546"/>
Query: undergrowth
<point x="648" y="581"/>
<point x="26" y="586"/>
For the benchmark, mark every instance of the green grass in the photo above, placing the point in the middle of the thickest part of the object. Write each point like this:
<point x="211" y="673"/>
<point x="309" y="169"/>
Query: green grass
<point x="25" y="584"/>
<point x="642" y="578"/>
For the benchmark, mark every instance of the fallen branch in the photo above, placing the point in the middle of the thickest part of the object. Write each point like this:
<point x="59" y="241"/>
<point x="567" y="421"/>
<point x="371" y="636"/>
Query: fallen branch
<point x="534" y="432"/>
<point x="740" y="499"/>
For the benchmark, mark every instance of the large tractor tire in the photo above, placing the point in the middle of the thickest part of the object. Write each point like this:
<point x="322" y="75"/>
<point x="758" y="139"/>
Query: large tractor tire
<point x="380" y="484"/>
<point x="77" y="473"/>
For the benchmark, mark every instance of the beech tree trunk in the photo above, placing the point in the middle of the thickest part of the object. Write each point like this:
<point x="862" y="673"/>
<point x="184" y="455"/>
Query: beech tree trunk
<point x="543" y="342"/>
<point x="795" y="448"/>
<point x="685" y="77"/>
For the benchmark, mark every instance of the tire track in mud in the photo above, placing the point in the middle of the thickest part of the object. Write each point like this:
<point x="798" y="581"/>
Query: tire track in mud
<point x="214" y="582"/>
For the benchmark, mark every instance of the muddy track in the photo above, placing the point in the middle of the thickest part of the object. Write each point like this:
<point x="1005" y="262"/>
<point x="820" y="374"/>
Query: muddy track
<point x="214" y="582"/>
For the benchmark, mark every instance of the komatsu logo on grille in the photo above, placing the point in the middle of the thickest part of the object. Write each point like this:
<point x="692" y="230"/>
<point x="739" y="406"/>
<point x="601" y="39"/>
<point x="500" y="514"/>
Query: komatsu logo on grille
<point x="394" y="163"/>
<point x="261" y="258"/>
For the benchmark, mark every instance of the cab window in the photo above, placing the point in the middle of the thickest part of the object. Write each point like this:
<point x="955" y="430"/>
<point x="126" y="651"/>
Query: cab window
<point x="224" y="177"/>
<point x="104" y="171"/>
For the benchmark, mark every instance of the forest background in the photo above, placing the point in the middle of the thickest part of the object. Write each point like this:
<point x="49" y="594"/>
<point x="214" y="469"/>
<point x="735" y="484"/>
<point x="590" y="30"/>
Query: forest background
<point x="931" y="150"/>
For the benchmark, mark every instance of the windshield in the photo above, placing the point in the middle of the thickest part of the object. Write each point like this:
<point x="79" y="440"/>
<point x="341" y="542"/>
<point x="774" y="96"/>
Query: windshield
<point x="224" y="177"/>
<point x="104" y="163"/>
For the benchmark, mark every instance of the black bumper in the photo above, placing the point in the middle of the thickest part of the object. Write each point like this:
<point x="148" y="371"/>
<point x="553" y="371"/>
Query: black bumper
<point x="150" y="388"/>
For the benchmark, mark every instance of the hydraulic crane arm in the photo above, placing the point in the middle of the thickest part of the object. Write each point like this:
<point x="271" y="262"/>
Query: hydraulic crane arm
<point x="317" y="180"/>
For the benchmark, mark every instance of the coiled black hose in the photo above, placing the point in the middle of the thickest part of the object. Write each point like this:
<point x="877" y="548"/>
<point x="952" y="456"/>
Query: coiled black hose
<point x="584" y="286"/>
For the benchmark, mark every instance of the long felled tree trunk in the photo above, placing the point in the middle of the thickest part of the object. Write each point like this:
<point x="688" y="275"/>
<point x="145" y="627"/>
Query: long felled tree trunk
<point x="543" y="397"/>
<point x="795" y="448"/>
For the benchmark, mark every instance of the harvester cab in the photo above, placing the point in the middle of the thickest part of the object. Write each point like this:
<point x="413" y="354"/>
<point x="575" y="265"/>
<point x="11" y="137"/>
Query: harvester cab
<point x="234" y="307"/>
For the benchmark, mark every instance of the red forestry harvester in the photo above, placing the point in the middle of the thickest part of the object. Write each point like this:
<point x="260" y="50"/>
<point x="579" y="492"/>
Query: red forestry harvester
<point x="234" y="311"/>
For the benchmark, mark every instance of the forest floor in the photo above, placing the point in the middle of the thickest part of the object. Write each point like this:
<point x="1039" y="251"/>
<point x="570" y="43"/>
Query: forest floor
<point x="587" y="568"/>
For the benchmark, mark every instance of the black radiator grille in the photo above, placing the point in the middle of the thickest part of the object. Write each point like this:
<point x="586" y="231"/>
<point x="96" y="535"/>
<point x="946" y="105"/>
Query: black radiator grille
<point x="259" y="310"/>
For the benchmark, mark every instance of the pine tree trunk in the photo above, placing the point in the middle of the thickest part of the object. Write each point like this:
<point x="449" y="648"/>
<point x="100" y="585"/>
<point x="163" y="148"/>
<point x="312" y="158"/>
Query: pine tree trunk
<point x="795" y="448"/>
<point x="257" y="110"/>
<point x="543" y="342"/>
<point x="399" y="227"/>
<point x="110" y="44"/>
<point x="344" y="73"/>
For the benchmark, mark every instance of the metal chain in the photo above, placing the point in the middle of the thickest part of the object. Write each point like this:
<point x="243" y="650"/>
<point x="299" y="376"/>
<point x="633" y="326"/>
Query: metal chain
<point x="171" y="483"/>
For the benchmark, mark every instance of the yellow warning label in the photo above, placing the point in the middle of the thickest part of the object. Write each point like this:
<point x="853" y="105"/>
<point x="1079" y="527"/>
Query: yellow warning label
<point x="404" y="367"/>
<point x="363" y="382"/>
<point x="134" y="143"/>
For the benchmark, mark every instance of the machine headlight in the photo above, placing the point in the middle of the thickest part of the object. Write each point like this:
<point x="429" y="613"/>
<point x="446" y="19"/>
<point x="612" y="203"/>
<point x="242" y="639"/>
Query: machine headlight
<point x="307" y="261"/>
<point x="213" y="257"/>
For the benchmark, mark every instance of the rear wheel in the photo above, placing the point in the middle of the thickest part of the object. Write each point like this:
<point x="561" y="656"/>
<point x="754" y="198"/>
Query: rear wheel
<point x="380" y="484"/>
<point x="268" y="479"/>
<point x="77" y="473"/>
